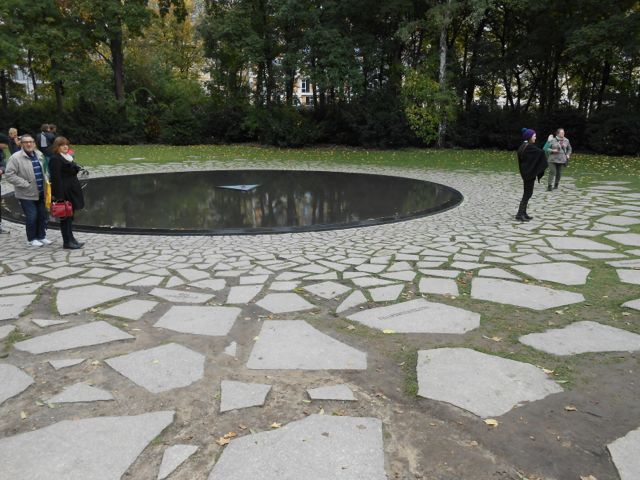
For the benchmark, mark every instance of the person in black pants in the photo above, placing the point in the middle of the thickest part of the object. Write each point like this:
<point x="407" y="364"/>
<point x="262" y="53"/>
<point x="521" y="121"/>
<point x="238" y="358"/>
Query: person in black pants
<point x="532" y="163"/>
<point x="63" y="173"/>
<point x="4" y="140"/>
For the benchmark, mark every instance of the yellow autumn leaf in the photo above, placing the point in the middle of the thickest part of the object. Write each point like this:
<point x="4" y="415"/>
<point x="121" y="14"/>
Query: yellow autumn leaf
<point x="492" y="422"/>
<point x="388" y="330"/>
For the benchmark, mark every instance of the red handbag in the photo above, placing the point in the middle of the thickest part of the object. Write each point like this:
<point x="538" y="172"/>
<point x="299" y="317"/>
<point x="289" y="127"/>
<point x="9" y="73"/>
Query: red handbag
<point x="61" y="209"/>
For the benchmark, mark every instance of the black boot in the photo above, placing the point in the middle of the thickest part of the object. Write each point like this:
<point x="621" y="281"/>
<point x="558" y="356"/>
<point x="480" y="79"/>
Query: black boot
<point x="549" y="188"/>
<point x="555" y="186"/>
<point x="520" y="216"/>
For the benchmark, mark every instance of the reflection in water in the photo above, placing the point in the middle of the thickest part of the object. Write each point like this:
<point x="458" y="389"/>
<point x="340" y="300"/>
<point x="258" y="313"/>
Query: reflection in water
<point x="293" y="200"/>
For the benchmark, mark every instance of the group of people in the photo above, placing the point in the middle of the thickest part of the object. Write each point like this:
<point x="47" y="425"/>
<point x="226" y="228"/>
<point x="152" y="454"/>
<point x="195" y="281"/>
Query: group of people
<point x="533" y="161"/>
<point x="37" y="164"/>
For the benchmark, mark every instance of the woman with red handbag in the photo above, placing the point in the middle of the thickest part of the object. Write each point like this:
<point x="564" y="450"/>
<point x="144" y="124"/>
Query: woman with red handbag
<point x="65" y="187"/>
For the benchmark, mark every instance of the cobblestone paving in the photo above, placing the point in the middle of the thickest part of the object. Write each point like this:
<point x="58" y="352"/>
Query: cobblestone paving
<point x="140" y="331"/>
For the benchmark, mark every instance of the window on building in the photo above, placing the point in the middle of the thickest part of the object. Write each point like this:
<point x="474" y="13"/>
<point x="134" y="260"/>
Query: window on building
<point x="308" y="100"/>
<point x="305" y="86"/>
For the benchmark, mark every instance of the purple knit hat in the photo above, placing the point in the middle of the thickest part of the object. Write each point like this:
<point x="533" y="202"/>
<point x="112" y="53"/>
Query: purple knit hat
<point x="527" y="133"/>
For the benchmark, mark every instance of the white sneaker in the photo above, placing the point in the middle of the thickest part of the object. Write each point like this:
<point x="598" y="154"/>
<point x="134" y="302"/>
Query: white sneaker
<point x="35" y="243"/>
<point x="45" y="241"/>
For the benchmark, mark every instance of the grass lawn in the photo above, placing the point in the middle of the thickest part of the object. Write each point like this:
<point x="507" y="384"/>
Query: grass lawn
<point x="583" y="167"/>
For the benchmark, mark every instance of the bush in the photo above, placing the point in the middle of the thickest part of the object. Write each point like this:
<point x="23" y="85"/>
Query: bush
<point x="614" y="132"/>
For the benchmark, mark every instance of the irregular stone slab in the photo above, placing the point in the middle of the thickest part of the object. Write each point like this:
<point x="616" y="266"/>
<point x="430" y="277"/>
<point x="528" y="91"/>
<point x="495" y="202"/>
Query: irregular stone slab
<point x="353" y="300"/>
<point x="296" y="345"/>
<point x="574" y="243"/>
<point x="629" y="276"/>
<point x="284" y="302"/>
<point x="254" y="279"/>
<point x="75" y="282"/>
<point x="283" y="286"/>
<point x="521" y="295"/>
<point x="13" y="306"/>
<point x="560" y="272"/>
<point x="89" y="334"/>
<point x="214" y="284"/>
<point x="237" y="395"/>
<point x="631" y="263"/>
<point x="497" y="273"/>
<point x="58" y="273"/>
<point x="635" y="304"/>
<point x="81" y="392"/>
<point x="6" y="330"/>
<point x="335" y="392"/>
<point x="173" y="457"/>
<point x="619" y="220"/>
<point x="180" y="296"/>
<point x="22" y="289"/>
<point x="419" y="316"/>
<point x="442" y="273"/>
<point x="231" y="349"/>
<point x="532" y="258"/>
<point x="161" y="368"/>
<point x="211" y="321"/>
<point x="12" y="382"/>
<point x="582" y="337"/>
<point x="624" y="453"/>
<point x="124" y="277"/>
<point x="58" y="364"/>
<point x="386" y="294"/>
<point x="320" y="447"/>
<point x="243" y="293"/>
<point x="631" y="239"/>
<point x="76" y="299"/>
<point x="192" y="274"/>
<point x="131" y="310"/>
<point x="371" y="282"/>
<point x="440" y="286"/>
<point x="48" y="323"/>
<point x="11" y="280"/>
<point x="327" y="290"/>
<point x="485" y="385"/>
<point x="100" y="448"/>
<point x="403" y="275"/>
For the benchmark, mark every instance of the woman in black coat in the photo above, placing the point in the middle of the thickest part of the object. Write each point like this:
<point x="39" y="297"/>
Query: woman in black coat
<point x="532" y="163"/>
<point x="63" y="174"/>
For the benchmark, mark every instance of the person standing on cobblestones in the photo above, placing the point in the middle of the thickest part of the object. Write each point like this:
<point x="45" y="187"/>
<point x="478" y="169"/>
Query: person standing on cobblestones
<point x="559" y="154"/>
<point x="4" y="142"/>
<point x="532" y="164"/>
<point x="25" y="171"/>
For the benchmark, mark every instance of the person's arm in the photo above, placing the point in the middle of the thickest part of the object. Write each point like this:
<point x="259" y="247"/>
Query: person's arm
<point x="11" y="174"/>
<point x="569" y="150"/>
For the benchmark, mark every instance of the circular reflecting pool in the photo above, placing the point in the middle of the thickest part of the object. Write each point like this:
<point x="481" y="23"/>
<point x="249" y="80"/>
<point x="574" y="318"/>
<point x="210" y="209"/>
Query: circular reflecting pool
<point x="250" y="201"/>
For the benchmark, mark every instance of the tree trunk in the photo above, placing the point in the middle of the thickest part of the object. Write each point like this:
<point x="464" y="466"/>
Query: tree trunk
<point x="290" y="82"/>
<point x="442" y="76"/>
<point x="3" y="90"/>
<point x="117" y="64"/>
<point x="471" y="80"/>
<point x="32" y="74"/>
<point x="606" y="72"/>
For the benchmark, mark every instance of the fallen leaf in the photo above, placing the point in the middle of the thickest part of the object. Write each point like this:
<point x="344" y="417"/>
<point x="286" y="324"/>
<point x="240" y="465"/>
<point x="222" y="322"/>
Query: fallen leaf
<point x="492" y="422"/>
<point x="321" y="412"/>
<point x="23" y="415"/>
<point x="388" y="330"/>
<point x="222" y="441"/>
<point x="242" y="426"/>
<point x="547" y="371"/>
<point x="351" y="327"/>
<point x="276" y="425"/>
<point x="229" y="435"/>
<point x="570" y="408"/>
<point x="559" y="312"/>
<point x="588" y="477"/>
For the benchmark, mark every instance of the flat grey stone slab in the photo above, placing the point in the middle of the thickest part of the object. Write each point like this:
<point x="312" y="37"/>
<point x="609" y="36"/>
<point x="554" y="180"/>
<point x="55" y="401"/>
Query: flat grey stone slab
<point x="237" y="395"/>
<point x="22" y="289"/>
<point x="89" y="334"/>
<point x="5" y="330"/>
<point x="231" y="349"/>
<point x="419" y="316"/>
<point x="296" y="345"/>
<point x="497" y="273"/>
<point x="353" y="300"/>
<point x="574" y="243"/>
<point x="386" y="294"/>
<point x="284" y="303"/>
<point x="629" y="276"/>
<point x="214" y="284"/>
<point x="58" y="273"/>
<point x="48" y="323"/>
<point x="81" y="392"/>
<point x="582" y="337"/>
<point x="327" y="290"/>
<point x="64" y="363"/>
<point x="440" y="286"/>
<point x="560" y="272"/>
<point x="173" y="457"/>
<point x="11" y="280"/>
<point x="124" y="278"/>
<point x="100" y="448"/>
<point x="320" y="447"/>
<point x="12" y="382"/>
<point x="131" y="309"/>
<point x="13" y="306"/>
<point x="160" y="368"/>
<point x="334" y="392"/>
<point x="631" y="263"/>
<point x="211" y="321"/>
<point x="243" y="293"/>
<point x="403" y="276"/>
<point x="631" y="239"/>
<point x="521" y="295"/>
<point x="74" y="300"/>
<point x="75" y="282"/>
<point x="624" y="453"/>
<point x="619" y="220"/>
<point x="635" y="304"/>
<point x="485" y="385"/>
<point x="434" y="272"/>
<point x="180" y="296"/>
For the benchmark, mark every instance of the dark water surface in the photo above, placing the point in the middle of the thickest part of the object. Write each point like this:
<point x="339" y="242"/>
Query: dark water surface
<point x="281" y="201"/>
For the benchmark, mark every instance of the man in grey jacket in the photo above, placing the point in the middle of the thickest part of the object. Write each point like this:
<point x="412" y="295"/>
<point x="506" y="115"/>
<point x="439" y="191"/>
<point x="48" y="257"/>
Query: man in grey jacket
<point x="25" y="172"/>
<point x="4" y="143"/>
<point x="559" y="154"/>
